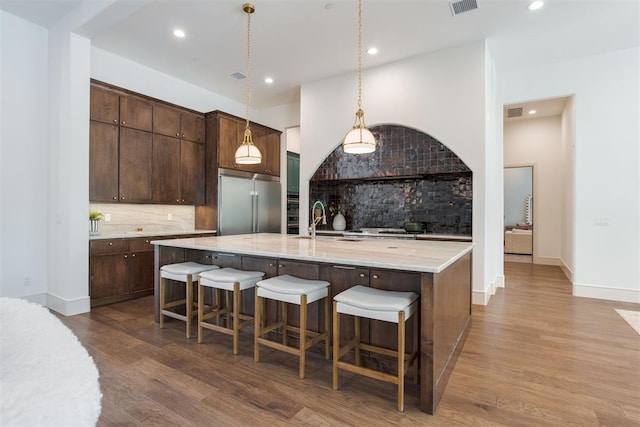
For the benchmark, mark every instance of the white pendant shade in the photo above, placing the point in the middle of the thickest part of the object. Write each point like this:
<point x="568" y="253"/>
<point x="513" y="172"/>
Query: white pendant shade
<point x="248" y="155"/>
<point x="359" y="140"/>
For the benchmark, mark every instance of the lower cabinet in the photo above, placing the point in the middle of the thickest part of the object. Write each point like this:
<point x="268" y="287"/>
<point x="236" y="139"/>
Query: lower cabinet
<point x="120" y="269"/>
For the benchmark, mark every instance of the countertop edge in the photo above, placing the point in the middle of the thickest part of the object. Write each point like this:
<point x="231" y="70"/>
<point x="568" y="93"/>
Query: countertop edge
<point x="135" y="234"/>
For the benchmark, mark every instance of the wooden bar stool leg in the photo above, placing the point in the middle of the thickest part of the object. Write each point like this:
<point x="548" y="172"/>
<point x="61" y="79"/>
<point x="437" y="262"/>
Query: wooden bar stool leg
<point x="416" y="348"/>
<point x="401" y="346"/>
<point x="303" y="333"/>
<point x="336" y="343"/>
<point x="189" y="304"/>
<point x="217" y="304"/>
<point x="356" y="328"/>
<point x="283" y="313"/>
<point x="236" y="316"/>
<point x="200" y="310"/>
<point x="327" y="326"/>
<point x="258" y="328"/>
<point x="163" y="291"/>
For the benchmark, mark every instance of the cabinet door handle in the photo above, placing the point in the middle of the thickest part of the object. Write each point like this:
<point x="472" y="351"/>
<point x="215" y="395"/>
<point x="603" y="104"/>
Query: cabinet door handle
<point x="115" y="121"/>
<point x="115" y="197"/>
<point x="121" y="197"/>
<point x="132" y="255"/>
<point x="183" y="135"/>
<point x="177" y="134"/>
<point x="363" y="275"/>
<point x="146" y="241"/>
<point x="123" y="122"/>
<point x="271" y="264"/>
<point x="178" y="200"/>
<point x="375" y="276"/>
<point x="280" y="265"/>
<point x="110" y="243"/>
<point x="126" y="256"/>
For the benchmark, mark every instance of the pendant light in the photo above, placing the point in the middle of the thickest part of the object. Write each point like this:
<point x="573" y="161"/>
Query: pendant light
<point x="359" y="140"/>
<point x="248" y="153"/>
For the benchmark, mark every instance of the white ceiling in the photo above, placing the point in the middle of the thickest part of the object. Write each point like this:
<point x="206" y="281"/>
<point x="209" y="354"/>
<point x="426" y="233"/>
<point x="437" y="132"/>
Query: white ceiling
<point x="305" y="40"/>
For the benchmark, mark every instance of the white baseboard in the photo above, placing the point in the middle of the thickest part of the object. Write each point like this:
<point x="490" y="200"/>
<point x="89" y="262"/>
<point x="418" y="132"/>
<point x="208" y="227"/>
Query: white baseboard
<point x="499" y="282"/>
<point x="68" y="307"/>
<point x="40" y="299"/>
<point x="566" y="270"/>
<point x="605" y="292"/>
<point x="547" y="260"/>
<point x="480" y="298"/>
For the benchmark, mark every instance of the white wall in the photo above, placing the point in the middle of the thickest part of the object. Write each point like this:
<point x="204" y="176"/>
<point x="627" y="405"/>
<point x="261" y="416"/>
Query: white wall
<point x="607" y="176"/>
<point x="441" y="94"/>
<point x="23" y="159"/>
<point x="538" y="142"/>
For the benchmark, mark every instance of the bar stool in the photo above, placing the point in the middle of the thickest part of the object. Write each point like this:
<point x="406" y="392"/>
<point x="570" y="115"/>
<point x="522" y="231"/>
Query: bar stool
<point x="186" y="272"/>
<point x="227" y="279"/>
<point x="291" y="290"/>
<point x="388" y="306"/>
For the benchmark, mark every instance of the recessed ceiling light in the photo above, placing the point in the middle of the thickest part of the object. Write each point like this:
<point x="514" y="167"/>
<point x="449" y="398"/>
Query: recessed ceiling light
<point x="268" y="80"/>
<point x="372" y="50"/>
<point x="532" y="111"/>
<point x="178" y="33"/>
<point x="535" y="5"/>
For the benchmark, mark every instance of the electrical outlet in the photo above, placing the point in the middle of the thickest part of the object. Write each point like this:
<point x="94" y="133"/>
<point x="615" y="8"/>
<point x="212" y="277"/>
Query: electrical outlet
<point x="169" y="217"/>
<point x="107" y="217"/>
<point x="601" y="221"/>
<point x="27" y="281"/>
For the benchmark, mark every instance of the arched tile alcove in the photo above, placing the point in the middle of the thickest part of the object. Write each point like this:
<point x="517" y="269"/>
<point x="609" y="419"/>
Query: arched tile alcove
<point x="411" y="176"/>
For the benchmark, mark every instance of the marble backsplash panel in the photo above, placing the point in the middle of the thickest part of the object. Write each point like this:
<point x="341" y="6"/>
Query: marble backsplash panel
<point x="152" y="218"/>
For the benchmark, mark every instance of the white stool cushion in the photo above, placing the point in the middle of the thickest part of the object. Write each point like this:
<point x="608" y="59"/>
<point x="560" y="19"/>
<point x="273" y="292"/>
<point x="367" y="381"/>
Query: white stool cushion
<point x="290" y="289"/>
<point x="225" y="278"/>
<point x="376" y="304"/>
<point x="181" y="270"/>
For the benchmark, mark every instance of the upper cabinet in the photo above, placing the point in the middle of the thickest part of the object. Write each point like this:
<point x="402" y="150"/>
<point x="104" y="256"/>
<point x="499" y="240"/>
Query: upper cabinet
<point x="143" y="150"/>
<point x="225" y="134"/>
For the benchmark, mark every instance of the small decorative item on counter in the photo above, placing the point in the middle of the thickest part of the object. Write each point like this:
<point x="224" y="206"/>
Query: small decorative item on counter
<point x="94" y="222"/>
<point x="339" y="221"/>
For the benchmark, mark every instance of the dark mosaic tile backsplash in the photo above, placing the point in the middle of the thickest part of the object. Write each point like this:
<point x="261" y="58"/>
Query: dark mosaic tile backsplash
<point x="421" y="181"/>
<point x="401" y="151"/>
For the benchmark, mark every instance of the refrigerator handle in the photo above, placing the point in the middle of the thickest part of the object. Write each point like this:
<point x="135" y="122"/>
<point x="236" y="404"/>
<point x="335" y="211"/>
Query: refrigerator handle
<point x="254" y="211"/>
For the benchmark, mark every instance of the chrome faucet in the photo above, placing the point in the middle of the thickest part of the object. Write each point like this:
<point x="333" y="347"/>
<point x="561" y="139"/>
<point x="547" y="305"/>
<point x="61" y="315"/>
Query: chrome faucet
<point x="316" y="220"/>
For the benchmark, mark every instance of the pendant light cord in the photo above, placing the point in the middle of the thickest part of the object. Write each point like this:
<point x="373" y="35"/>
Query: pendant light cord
<point x="248" y="66"/>
<point x="359" y="54"/>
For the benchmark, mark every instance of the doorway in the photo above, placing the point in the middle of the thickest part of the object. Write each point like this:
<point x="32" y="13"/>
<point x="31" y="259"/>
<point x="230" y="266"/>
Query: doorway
<point x="518" y="213"/>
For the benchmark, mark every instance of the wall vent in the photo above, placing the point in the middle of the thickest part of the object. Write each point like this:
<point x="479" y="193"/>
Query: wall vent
<point x="514" y="112"/>
<point x="237" y="76"/>
<point x="458" y="7"/>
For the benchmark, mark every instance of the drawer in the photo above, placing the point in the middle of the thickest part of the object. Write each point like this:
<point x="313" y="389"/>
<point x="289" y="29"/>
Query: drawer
<point x="142" y="244"/>
<point x="108" y="246"/>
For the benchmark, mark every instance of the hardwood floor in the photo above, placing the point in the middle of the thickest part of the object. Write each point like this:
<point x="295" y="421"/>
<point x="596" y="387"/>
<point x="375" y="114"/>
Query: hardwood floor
<point x="535" y="356"/>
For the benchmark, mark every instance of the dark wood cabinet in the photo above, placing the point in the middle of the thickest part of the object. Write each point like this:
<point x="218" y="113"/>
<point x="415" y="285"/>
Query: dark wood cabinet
<point x="178" y="124"/>
<point x="227" y="133"/>
<point x="191" y="173"/>
<point x="136" y="149"/>
<point x="153" y="152"/>
<point x="103" y="162"/>
<point x="120" y="269"/>
<point x="104" y="106"/>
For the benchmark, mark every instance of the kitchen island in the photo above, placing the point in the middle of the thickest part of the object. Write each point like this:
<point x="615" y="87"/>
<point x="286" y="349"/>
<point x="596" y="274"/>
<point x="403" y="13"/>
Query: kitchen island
<point x="439" y="271"/>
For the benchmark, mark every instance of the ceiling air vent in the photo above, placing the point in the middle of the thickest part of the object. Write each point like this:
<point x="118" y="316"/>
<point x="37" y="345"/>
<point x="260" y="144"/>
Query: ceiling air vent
<point x="514" y="112"/>
<point x="458" y="7"/>
<point x="237" y="76"/>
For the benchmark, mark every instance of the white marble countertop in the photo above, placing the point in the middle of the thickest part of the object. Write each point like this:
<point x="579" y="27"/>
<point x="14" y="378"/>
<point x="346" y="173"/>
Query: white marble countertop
<point x="132" y="234"/>
<point x="411" y="255"/>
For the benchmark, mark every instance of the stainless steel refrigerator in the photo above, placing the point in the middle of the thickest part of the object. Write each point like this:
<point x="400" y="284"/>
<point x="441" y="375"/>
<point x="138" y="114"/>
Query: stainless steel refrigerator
<point x="248" y="203"/>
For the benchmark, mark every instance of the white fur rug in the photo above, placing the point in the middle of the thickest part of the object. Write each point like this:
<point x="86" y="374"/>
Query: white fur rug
<point x="47" y="378"/>
<point x="632" y="318"/>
